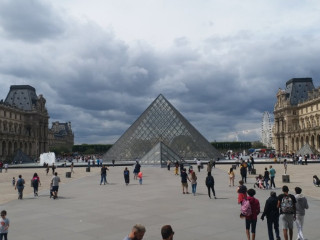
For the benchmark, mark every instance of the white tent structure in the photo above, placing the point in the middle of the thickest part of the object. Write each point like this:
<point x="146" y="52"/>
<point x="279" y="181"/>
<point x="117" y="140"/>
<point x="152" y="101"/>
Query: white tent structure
<point x="48" y="158"/>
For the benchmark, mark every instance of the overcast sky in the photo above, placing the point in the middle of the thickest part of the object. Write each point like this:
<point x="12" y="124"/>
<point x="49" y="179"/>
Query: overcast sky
<point x="100" y="63"/>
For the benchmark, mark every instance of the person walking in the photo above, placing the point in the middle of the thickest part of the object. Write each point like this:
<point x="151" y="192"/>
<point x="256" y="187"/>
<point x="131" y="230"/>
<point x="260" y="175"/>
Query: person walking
<point x="210" y="185"/>
<point x="271" y="211"/>
<point x="266" y="178"/>
<point x="6" y="167"/>
<point x="167" y="232"/>
<point x="20" y="186"/>
<point x="126" y="175"/>
<point x="136" y="170"/>
<point x="251" y="220"/>
<point x="287" y="205"/>
<point x="272" y="172"/>
<point x="53" y="168"/>
<point x="104" y="175"/>
<point x="242" y="192"/>
<point x="301" y="206"/>
<point x="209" y="167"/>
<point x="184" y="181"/>
<point x="136" y="233"/>
<point x="4" y="225"/>
<point x="193" y="183"/>
<point x="55" y="185"/>
<point x="35" y="183"/>
<point x="47" y="169"/>
<point x="176" y="168"/>
<point x="231" y="177"/>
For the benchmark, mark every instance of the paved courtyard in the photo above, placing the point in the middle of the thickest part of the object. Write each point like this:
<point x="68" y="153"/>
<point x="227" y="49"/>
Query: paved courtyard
<point x="86" y="210"/>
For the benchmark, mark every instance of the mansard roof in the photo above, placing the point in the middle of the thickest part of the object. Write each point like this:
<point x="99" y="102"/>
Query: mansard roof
<point x="297" y="89"/>
<point x="22" y="96"/>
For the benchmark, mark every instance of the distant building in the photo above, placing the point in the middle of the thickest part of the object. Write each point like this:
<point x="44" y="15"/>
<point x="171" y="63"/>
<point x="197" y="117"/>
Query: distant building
<point x="61" y="135"/>
<point x="297" y="116"/>
<point x="23" y="123"/>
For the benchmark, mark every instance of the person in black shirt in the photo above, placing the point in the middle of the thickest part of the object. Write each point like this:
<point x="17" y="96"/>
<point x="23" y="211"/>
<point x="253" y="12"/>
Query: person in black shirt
<point x="266" y="178"/>
<point x="271" y="211"/>
<point x="184" y="181"/>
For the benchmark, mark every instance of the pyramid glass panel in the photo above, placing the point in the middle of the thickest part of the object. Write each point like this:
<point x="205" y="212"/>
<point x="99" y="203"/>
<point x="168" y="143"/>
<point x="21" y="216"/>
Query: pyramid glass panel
<point x="159" y="155"/>
<point x="161" y="122"/>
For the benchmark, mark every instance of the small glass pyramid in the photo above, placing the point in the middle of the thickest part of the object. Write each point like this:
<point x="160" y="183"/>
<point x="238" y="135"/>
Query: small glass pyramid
<point x="161" y="122"/>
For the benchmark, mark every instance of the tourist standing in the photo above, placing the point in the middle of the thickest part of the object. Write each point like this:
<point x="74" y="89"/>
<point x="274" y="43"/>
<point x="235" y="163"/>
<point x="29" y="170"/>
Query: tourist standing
<point x="251" y="220"/>
<point x="272" y="172"/>
<point x="4" y="225"/>
<point x="71" y="168"/>
<point x="136" y="233"/>
<point x="210" y="185"/>
<point x="184" y="181"/>
<point x="136" y="170"/>
<point x="13" y="181"/>
<point x="20" y="186"/>
<point x="287" y="205"/>
<point x="243" y="171"/>
<point x="126" y="175"/>
<point x="6" y="167"/>
<point x="167" y="232"/>
<point x="1" y="166"/>
<point x="47" y="169"/>
<point x="266" y="177"/>
<point x="113" y="161"/>
<point x="140" y="177"/>
<point x="193" y="183"/>
<point x="103" y="175"/>
<point x="198" y="164"/>
<point x="55" y="185"/>
<point x="231" y="177"/>
<point x="242" y="192"/>
<point x="285" y="166"/>
<point x="168" y="165"/>
<point x="209" y="167"/>
<point x="271" y="211"/>
<point x="35" y="183"/>
<point x="301" y="206"/>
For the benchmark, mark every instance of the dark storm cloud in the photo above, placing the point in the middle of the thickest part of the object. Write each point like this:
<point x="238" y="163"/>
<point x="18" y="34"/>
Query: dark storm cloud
<point x="29" y="20"/>
<point x="101" y="84"/>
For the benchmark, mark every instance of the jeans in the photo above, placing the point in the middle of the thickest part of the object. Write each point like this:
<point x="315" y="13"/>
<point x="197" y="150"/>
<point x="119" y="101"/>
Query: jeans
<point x="103" y="178"/>
<point x="140" y="181"/>
<point x="194" y="188"/>
<point x="3" y="235"/>
<point x="275" y="223"/>
<point x="299" y="224"/>
<point x="266" y="181"/>
<point x="272" y="182"/>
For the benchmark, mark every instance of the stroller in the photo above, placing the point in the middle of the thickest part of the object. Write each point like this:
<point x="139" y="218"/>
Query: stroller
<point x="259" y="182"/>
<point x="316" y="181"/>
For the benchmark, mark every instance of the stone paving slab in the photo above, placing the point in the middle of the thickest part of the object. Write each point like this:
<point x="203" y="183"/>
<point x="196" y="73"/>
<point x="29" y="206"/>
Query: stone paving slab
<point x="86" y="210"/>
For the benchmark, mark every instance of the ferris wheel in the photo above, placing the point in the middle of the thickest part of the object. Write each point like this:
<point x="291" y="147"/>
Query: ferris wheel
<point x="266" y="133"/>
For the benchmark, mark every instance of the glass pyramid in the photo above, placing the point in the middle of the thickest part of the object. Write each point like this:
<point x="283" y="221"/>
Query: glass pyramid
<point x="161" y="122"/>
<point x="160" y="154"/>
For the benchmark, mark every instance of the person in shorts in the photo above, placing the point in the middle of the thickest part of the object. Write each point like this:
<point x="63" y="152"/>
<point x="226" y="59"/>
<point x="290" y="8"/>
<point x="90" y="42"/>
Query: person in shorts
<point x="55" y="185"/>
<point x="287" y="206"/>
<point x="184" y="181"/>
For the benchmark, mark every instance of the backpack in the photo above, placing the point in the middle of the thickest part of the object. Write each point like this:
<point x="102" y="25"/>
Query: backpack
<point x="35" y="182"/>
<point x="246" y="208"/>
<point x="287" y="205"/>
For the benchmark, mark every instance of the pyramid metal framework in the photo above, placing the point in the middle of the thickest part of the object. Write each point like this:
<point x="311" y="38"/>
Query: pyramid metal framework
<point x="160" y="154"/>
<point x="161" y="122"/>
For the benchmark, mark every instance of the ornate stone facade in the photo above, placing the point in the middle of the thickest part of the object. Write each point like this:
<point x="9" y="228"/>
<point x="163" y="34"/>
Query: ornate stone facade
<point x="23" y="123"/>
<point x="61" y="136"/>
<point x="297" y="116"/>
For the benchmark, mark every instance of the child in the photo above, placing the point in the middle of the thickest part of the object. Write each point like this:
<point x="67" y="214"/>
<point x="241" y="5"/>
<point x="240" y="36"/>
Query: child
<point x="140" y="177"/>
<point x="13" y="181"/>
<point x="4" y="225"/>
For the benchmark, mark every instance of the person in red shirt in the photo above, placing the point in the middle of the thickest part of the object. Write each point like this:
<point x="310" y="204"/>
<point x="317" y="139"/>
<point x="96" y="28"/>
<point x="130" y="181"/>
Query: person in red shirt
<point x="252" y="219"/>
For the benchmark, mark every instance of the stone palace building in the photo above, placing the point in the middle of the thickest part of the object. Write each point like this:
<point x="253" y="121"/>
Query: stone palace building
<point x="297" y="116"/>
<point x="24" y="124"/>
